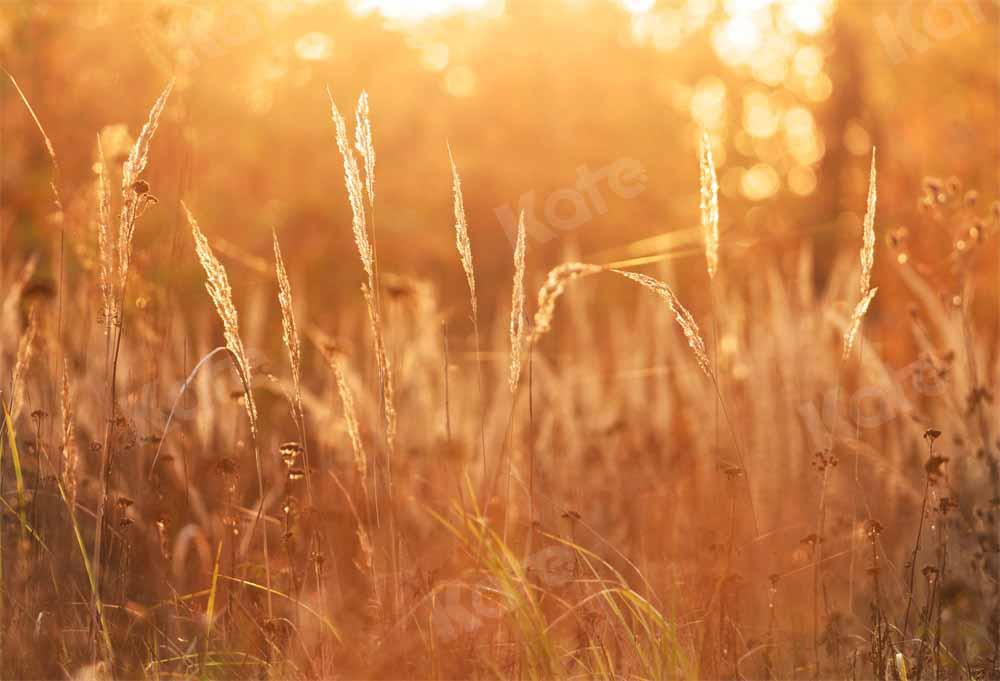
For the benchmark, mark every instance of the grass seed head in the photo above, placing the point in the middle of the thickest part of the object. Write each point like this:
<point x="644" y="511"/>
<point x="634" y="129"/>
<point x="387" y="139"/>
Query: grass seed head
<point x="552" y="290"/>
<point x="517" y="320"/>
<point x="682" y="315"/>
<point x="709" y="206"/>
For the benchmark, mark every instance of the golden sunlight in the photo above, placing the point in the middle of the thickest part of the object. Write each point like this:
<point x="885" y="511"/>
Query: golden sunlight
<point x="416" y="10"/>
<point x="499" y="339"/>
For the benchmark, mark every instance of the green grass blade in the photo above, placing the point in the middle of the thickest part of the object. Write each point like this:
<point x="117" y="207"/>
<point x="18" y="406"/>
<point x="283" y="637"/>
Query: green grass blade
<point x="16" y="457"/>
<point x="210" y="609"/>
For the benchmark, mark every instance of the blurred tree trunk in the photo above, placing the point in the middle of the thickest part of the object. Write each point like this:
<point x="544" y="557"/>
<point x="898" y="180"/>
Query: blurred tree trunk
<point x="847" y="102"/>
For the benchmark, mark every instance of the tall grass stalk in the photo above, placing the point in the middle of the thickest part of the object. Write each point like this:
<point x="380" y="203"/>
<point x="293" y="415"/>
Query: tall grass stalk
<point x="464" y="246"/>
<point x="135" y="199"/>
<point x="685" y="320"/>
<point x="867" y="258"/>
<point x="221" y="293"/>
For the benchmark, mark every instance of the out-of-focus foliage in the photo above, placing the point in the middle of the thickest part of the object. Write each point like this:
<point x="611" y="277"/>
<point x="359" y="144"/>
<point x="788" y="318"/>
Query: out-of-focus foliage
<point x="793" y="95"/>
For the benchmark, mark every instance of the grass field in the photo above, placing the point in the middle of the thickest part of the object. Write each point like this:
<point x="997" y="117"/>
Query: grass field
<point x="711" y="453"/>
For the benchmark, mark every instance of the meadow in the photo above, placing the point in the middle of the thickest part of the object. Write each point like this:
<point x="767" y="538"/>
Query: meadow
<point x="313" y="445"/>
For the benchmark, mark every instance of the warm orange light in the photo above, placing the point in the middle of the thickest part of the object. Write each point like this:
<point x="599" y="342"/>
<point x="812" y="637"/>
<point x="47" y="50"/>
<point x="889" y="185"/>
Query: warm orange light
<point x="415" y="10"/>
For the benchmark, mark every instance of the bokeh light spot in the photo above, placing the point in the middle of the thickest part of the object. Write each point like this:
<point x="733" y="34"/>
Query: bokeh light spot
<point x="760" y="182"/>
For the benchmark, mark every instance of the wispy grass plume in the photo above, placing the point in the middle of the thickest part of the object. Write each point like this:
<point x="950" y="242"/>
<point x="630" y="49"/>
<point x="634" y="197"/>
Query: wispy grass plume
<point x="365" y="146"/>
<point x="854" y="326"/>
<point x="462" y="241"/>
<point x="135" y="192"/>
<point x="70" y="452"/>
<point x="366" y="250"/>
<point x="709" y="206"/>
<point x="867" y="263"/>
<point x="464" y="245"/>
<point x="104" y="242"/>
<point x="517" y="320"/>
<point x="289" y="329"/>
<point x="385" y="368"/>
<point x="552" y="290"/>
<point x="350" y="416"/>
<point x="217" y="285"/>
<point x="22" y="362"/>
<point x="868" y="238"/>
<point x="54" y="182"/>
<point x="684" y="317"/>
<point x="355" y="192"/>
<point x="290" y="336"/>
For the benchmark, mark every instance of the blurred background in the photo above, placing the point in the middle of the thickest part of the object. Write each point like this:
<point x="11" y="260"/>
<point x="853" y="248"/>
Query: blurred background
<point x="584" y="113"/>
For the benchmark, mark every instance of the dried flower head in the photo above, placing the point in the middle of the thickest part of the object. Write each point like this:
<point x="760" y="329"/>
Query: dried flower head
<point x="934" y="466"/>
<point x="290" y="452"/>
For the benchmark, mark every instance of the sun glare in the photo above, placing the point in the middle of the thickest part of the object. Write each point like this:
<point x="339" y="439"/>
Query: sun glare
<point x="416" y="10"/>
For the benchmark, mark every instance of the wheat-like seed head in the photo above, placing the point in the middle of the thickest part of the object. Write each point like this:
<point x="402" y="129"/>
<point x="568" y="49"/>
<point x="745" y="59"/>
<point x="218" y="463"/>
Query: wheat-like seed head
<point x="709" y="206"/>
<point x="462" y="236"/>
<point x="550" y="292"/>
<point x="70" y="452"/>
<point x="365" y="146"/>
<point x="355" y="193"/>
<point x="385" y="368"/>
<point x="684" y="317"/>
<point x="854" y="326"/>
<point x="290" y="331"/>
<point x="217" y="285"/>
<point x="517" y="306"/>
<point x="868" y="244"/>
<point x="133" y="199"/>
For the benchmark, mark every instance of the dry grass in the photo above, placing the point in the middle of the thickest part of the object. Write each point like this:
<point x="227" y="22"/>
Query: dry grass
<point x="709" y="206"/>
<point x="289" y="329"/>
<point x="553" y="289"/>
<point x="630" y="540"/>
<point x="221" y="293"/>
<point x="517" y="316"/>
<point x="681" y="314"/>
<point x="70" y="450"/>
<point x="135" y="191"/>
<point x="462" y="241"/>
<point x="868" y="228"/>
